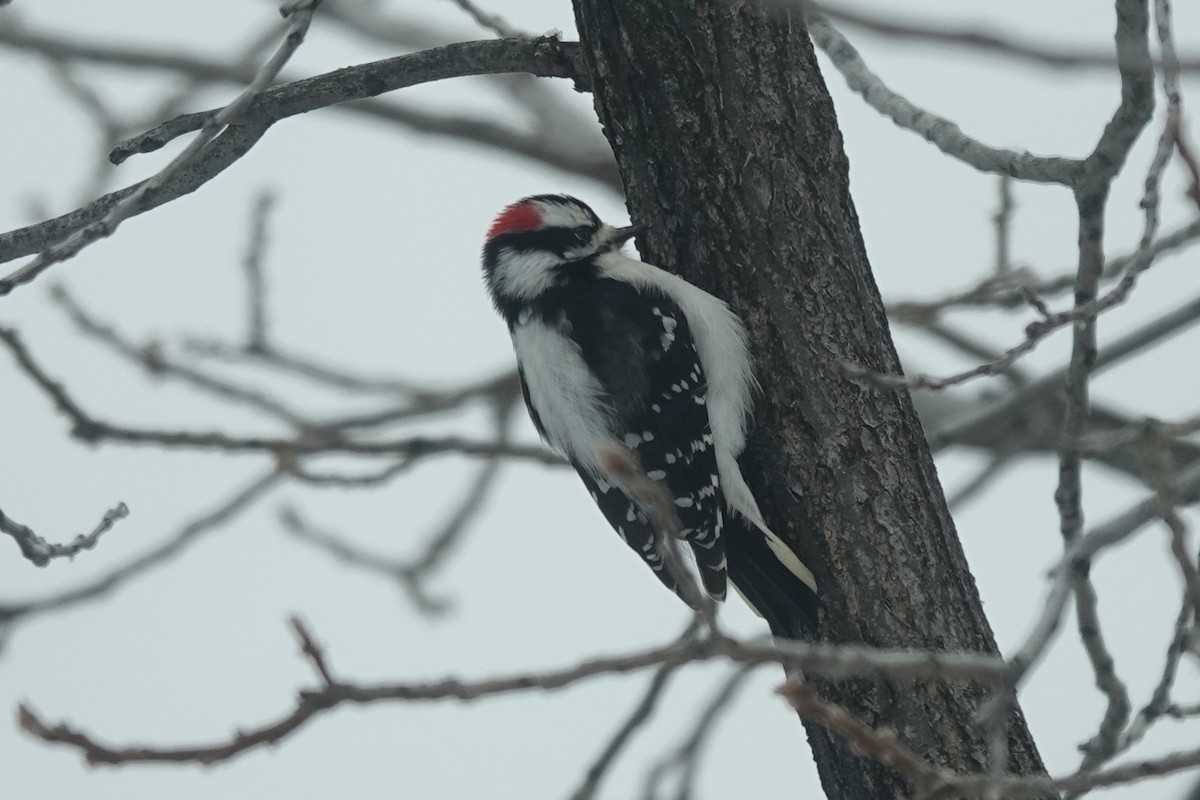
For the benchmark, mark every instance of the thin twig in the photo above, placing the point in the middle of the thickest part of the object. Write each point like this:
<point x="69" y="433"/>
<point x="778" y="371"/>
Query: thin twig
<point x="829" y="660"/>
<point x="540" y="57"/>
<point x="1005" y="291"/>
<point x="686" y="758"/>
<point x="156" y="363"/>
<point x="492" y="22"/>
<point x="41" y="552"/>
<point x="943" y="133"/>
<point x="301" y="14"/>
<point x="1002" y="219"/>
<point x="979" y="40"/>
<point x="256" y="337"/>
<point x="90" y="429"/>
<point x="311" y="650"/>
<point x="243" y="499"/>
<point x="632" y="724"/>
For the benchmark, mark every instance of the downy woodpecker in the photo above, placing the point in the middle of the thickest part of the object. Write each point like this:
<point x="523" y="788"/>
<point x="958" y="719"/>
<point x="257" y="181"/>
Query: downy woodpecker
<point x="615" y="352"/>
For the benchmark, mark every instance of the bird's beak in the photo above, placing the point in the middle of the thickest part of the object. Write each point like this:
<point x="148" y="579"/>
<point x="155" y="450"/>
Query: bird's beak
<point x="622" y="235"/>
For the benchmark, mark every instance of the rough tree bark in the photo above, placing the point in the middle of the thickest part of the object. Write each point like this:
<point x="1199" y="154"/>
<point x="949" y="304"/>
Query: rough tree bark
<point x="730" y="152"/>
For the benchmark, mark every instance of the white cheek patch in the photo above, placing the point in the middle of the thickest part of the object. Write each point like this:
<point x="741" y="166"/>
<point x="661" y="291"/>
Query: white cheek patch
<point x="524" y="275"/>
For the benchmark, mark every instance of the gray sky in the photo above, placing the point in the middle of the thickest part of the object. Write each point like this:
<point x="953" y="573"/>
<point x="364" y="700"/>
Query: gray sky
<point x="373" y="264"/>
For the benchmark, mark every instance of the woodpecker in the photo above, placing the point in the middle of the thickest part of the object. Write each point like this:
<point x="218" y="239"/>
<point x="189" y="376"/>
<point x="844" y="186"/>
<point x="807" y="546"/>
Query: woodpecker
<point x="615" y="352"/>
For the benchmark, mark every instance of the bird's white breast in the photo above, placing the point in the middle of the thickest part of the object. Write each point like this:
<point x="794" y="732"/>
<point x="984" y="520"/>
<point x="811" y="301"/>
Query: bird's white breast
<point x="565" y="394"/>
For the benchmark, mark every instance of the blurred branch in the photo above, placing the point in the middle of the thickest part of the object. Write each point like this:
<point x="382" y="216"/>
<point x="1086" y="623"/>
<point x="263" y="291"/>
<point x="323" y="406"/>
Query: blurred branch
<point x="1160" y="704"/>
<point x="941" y="132"/>
<point x="334" y="377"/>
<point x="624" y="468"/>
<point x="224" y="511"/>
<point x="632" y="724"/>
<point x="413" y="574"/>
<point x="37" y="550"/>
<point x="980" y="40"/>
<point x="965" y="426"/>
<point x="89" y="429"/>
<point x="1092" y="190"/>
<point x="936" y="783"/>
<point x="256" y="336"/>
<point x="1005" y="291"/>
<point x="488" y="21"/>
<point x="686" y="758"/>
<point x="1185" y="490"/>
<point x="559" y="137"/>
<point x="979" y="481"/>
<point x="541" y="57"/>
<point x="156" y="363"/>
<point x="133" y="203"/>
<point x="813" y="658"/>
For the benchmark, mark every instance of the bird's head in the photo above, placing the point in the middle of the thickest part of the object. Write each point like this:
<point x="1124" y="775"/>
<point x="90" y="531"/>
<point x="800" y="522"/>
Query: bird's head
<point x="533" y="240"/>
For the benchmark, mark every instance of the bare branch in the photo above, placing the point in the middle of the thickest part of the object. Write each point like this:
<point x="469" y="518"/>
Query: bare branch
<point x="1003" y="222"/>
<point x="1185" y="489"/>
<point x="1007" y="291"/>
<point x="37" y="550"/>
<point x="555" y="140"/>
<point x="935" y="782"/>
<point x="883" y="746"/>
<point x="1160" y="699"/>
<point x="540" y="57"/>
<point x="1160" y="468"/>
<point x="832" y="660"/>
<point x="157" y="364"/>
<point x="1091" y="194"/>
<point x="311" y="650"/>
<point x="89" y="429"/>
<point x="635" y="721"/>
<point x="301" y="12"/>
<point x="978" y="40"/>
<point x="941" y="132"/>
<point x="1160" y="328"/>
<point x="256" y="336"/>
<point x="188" y="533"/>
<point x="334" y="377"/>
<point x="686" y="758"/>
<point x="413" y="573"/>
<point x="316" y="701"/>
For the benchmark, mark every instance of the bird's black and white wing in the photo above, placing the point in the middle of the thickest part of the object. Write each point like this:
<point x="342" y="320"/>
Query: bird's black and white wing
<point x="640" y="350"/>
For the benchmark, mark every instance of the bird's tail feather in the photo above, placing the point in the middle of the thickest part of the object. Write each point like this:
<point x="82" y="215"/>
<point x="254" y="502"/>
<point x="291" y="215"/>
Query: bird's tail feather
<point x="788" y="604"/>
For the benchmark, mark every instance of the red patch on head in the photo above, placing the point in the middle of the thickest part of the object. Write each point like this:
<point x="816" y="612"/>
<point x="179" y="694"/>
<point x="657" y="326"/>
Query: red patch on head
<point x="517" y="217"/>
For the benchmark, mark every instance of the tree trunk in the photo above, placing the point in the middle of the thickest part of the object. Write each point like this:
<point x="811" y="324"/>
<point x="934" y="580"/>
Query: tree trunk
<point x="730" y="152"/>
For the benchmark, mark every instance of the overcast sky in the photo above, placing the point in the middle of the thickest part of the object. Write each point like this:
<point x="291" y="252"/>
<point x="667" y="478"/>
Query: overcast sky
<point x="373" y="264"/>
